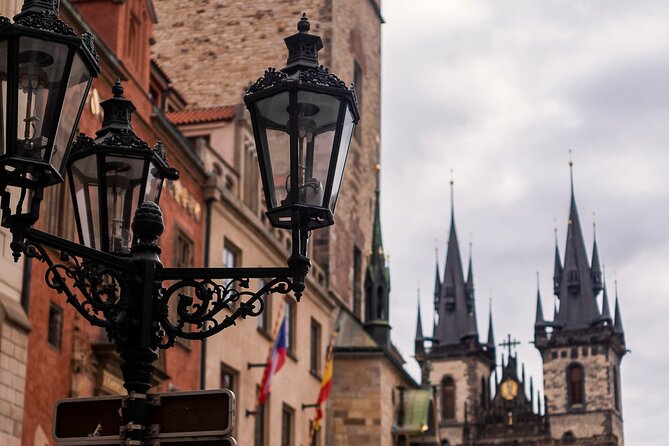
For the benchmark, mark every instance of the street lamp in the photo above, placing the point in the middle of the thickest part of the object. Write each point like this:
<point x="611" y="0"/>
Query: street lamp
<point x="303" y="119"/>
<point x="114" y="277"/>
<point x="45" y="73"/>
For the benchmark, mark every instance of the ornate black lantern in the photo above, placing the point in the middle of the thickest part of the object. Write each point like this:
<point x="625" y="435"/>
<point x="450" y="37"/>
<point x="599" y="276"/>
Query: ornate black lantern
<point x="45" y="72"/>
<point x="111" y="175"/>
<point x="303" y="119"/>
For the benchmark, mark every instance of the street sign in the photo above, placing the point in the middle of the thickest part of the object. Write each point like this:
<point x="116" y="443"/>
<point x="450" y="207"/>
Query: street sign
<point x="200" y="413"/>
<point x="202" y="418"/>
<point x="86" y="418"/>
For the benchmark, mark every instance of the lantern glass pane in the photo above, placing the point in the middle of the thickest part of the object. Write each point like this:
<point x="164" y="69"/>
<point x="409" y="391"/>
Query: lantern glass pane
<point x="77" y="86"/>
<point x="3" y="96"/>
<point x="85" y="182"/>
<point x="344" y="144"/>
<point x="273" y="126"/>
<point x="123" y="182"/>
<point x="317" y="115"/>
<point x="154" y="184"/>
<point x="42" y="76"/>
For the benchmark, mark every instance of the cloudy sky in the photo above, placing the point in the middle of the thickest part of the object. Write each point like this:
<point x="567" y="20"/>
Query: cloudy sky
<point x="499" y="91"/>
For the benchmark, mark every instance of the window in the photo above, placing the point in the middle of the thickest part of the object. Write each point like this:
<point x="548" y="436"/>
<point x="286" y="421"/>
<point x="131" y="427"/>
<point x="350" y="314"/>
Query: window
<point x="231" y="257"/>
<point x="55" y="325"/>
<point x="357" y="276"/>
<point x="575" y="384"/>
<point x="264" y="318"/>
<point x="380" y="303"/>
<point x="259" y="425"/>
<point x="251" y="175"/>
<point x="315" y="354"/>
<point x="289" y="312"/>
<point x="447" y="398"/>
<point x="287" y="414"/>
<point x="199" y="142"/>
<point x="228" y="378"/>
<point x="183" y="258"/>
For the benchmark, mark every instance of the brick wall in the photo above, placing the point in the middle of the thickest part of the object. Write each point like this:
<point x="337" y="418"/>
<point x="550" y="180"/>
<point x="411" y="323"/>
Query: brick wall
<point x="213" y="49"/>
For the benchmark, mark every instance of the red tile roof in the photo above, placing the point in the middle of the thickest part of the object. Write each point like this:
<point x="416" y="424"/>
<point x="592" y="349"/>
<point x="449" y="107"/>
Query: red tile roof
<point x="201" y="115"/>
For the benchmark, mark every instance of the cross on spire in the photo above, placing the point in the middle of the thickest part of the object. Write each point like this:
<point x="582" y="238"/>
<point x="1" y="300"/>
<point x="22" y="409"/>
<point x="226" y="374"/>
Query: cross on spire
<point x="509" y="344"/>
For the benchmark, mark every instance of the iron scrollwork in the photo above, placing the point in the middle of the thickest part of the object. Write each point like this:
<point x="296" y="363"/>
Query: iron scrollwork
<point x="93" y="289"/>
<point x="201" y="303"/>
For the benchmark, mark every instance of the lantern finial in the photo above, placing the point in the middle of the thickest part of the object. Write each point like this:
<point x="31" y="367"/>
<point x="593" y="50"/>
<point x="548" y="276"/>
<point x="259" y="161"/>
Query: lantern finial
<point x="302" y="47"/>
<point x="117" y="89"/>
<point x="303" y="25"/>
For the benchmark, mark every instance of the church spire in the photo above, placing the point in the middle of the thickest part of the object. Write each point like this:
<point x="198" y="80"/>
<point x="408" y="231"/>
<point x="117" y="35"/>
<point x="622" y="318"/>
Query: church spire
<point x="437" y="281"/>
<point x="618" y="323"/>
<point x="606" y="308"/>
<point x="578" y="308"/>
<point x="377" y="280"/>
<point x="419" y="341"/>
<point x="470" y="281"/>
<point x="491" y="334"/>
<point x="454" y="306"/>
<point x="539" y="321"/>
<point x="595" y="268"/>
<point x="557" y="271"/>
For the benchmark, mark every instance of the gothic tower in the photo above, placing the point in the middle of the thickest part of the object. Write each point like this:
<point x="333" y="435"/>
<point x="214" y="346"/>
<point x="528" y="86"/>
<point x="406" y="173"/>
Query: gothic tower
<point x="377" y="283"/>
<point x="581" y="348"/>
<point x="456" y="363"/>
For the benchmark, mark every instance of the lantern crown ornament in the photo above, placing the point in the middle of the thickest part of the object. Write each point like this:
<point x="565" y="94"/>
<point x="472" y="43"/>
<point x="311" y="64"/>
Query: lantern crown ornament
<point x="303" y="119"/>
<point x="111" y="175"/>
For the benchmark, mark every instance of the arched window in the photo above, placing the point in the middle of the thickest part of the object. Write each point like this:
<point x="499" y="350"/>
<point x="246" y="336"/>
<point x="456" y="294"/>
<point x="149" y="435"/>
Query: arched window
<point x="575" y="384"/>
<point x="447" y="398"/>
<point x="369" y="304"/>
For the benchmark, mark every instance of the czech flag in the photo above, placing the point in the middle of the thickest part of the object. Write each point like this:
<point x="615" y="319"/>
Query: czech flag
<point x="277" y="358"/>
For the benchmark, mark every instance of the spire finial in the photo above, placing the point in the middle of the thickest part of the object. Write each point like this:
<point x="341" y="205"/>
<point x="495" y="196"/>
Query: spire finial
<point x="571" y="172"/>
<point x="452" y="181"/>
<point x="303" y="24"/>
<point x="538" y="279"/>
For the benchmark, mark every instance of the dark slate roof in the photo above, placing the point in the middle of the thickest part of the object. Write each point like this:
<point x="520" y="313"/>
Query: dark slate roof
<point x="578" y="299"/>
<point x="491" y="334"/>
<point x="456" y="321"/>
<point x="419" y="324"/>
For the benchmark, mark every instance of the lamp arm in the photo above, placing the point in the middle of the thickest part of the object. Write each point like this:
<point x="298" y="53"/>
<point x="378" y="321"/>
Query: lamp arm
<point x="197" y="303"/>
<point x="93" y="289"/>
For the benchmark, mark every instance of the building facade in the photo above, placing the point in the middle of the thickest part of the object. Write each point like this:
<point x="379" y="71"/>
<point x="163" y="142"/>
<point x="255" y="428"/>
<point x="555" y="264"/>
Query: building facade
<point x="581" y="348"/>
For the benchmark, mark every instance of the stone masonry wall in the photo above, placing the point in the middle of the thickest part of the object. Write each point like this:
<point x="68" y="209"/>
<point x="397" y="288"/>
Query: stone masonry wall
<point x="467" y="373"/>
<point x="13" y="355"/>
<point x="598" y="415"/>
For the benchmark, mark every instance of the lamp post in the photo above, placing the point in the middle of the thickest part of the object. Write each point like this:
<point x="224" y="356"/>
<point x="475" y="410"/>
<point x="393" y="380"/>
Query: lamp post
<point x="303" y="119"/>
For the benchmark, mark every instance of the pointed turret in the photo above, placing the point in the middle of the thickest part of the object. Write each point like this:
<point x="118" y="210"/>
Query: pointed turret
<point x="454" y="316"/>
<point x="578" y="304"/>
<point x="469" y="286"/>
<point x="595" y="268"/>
<point x="437" y="285"/>
<point x="377" y="281"/>
<point x="539" y="321"/>
<point x="606" y="309"/>
<point x="491" y="334"/>
<point x="557" y="270"/>
<point x="618" y="322"/>
<point x="419" y="341"/>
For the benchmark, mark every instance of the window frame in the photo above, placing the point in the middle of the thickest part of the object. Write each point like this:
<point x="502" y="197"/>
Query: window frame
<point x="265" y="318"/>
<point x="55" y="331"/>
<point x="315" y="347"/>
<point x="448" y="405"/>
<point x="571" y="385"/>
<point x="357" y="282"/>
<point x="260" y="421"/>
<point x="290" y="412"/>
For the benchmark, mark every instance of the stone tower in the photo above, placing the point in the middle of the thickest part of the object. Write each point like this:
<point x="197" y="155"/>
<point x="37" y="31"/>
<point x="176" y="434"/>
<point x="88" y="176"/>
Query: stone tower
<point x="581" y="348"/>
<point x="456" y="363"/>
